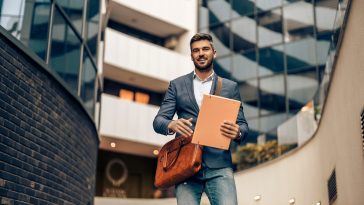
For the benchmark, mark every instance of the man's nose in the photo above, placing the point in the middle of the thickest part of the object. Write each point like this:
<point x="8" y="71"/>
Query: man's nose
<point x="201" y="53"/>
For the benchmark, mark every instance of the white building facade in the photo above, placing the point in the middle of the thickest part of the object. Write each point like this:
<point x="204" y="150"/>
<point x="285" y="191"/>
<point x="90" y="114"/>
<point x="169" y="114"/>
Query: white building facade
<point x="146" y="44"/>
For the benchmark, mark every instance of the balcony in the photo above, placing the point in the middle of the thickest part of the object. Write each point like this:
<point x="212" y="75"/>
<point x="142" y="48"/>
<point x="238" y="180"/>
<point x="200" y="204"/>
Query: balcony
<point x="163" y="19"/>
<point x="129" y="125"/>
<point x="142" y="64"/>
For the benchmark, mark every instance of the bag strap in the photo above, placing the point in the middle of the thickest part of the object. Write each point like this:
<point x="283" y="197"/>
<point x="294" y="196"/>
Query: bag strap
<point x="219" y="86"/>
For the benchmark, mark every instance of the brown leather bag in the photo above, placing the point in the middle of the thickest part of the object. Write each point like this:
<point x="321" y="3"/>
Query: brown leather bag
<point x="179" y="159"/>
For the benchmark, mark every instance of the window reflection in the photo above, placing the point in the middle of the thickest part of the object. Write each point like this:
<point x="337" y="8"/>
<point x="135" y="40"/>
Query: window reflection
<point x="38" y="37"/>
<point x="225" y="64"/>
<point x="74" y="10"/>
<point x="325" y="11"/>
<point x="298" y="20"/>
<point x="268" y="4"/>
<point x="93" y="17"/>
<point x="244" y="66"/>
<point x="301" y="88"/>
<point x="243" y="34"/>
<point x="12" y="13"/>
<point x="222" y="67"/>
<point x="219" y="11"/>
<point x="271" y="60"/>
<point x="88" y="84"/>
<point x="301" y="54"/>
<point x="270" y="122"/>
<point x="272" y="94"/>
<point x="221" y="36"/>
<point x="242" y="7"/>
<point x="203" y="17"/>
<point x="270" y="27"/>
<point x="12" y="24"/>
<point x="322" y="46"/>
<point x="65" y="52"/>
<point x="28" y="21"/>
<point x="277" y="50"/>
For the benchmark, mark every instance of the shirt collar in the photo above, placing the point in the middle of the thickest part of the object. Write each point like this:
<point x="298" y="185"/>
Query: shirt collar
<point x="211" y="77"/>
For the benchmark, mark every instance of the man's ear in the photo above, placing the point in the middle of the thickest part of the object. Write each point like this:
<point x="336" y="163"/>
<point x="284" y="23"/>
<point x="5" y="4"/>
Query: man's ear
<point x="215" y="54"/>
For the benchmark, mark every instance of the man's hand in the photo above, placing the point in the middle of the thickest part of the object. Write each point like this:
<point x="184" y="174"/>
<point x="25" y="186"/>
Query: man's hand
<point x="230" y="129"/>
<point x="181" y="126"/>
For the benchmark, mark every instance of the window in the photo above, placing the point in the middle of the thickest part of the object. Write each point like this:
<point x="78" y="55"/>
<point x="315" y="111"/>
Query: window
<point x="331" y="187"/>
<point x="74" y="10"/>
<point x="362" y="127"/>
<point x="219" y="11"/>
<point x="271" y="60"/>
<point x="88" y="83"/>
<point x="243" y="34"/>
<point x="301" y="88"/>
<point x="298" y="20"/>
<point x="270" y="27"/>
<point x="300" y="54"/>
<point x="126" y="95"/>
<point x="244" y="66"/>
<point x="65" y="51"/>
<point x="141" y="98"/>
<point x="221" y="35"/>
<point x="272" y="94"/>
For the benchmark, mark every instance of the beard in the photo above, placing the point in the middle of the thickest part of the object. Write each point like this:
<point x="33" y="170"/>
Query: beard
<point x="204" y="68"/>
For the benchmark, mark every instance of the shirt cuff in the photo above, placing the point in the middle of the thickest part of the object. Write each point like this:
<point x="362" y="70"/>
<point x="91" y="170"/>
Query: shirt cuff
<point x="170" y="132"/>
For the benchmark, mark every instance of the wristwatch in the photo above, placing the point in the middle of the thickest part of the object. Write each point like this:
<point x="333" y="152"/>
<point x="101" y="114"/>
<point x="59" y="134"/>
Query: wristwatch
<point x="239" y="137"/>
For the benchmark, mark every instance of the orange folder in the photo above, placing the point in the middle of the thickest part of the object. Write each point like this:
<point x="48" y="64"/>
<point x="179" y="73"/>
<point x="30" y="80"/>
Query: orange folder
<point x="214" y="110"/>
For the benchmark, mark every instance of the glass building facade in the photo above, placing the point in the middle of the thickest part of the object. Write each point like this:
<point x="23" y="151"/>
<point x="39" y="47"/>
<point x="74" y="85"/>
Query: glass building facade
<point x="64" y="34"/>
<point x="275" y="49"/>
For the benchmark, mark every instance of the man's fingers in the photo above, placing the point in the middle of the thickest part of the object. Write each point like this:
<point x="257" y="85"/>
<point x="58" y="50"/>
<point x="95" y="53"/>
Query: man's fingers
<point x="228" y="131"/>
<point x="227" y="135"/>
<point x="183" y="129"/>
<point x="184" y="126"/>
<point x="228" y="122"/>
<point x="188" y="122"/>
<point x="230" y="127"/>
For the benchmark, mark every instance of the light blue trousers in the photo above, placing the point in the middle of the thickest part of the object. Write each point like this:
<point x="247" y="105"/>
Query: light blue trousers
<point x="218" y="184"/>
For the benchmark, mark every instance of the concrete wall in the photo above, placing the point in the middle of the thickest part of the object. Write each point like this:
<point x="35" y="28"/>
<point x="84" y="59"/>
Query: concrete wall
<point x="337" y="144"/>
<point x="48" y="142"/>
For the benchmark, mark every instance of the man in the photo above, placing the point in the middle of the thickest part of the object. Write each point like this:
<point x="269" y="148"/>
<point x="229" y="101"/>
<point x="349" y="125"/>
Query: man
<point x="184" y="96"/>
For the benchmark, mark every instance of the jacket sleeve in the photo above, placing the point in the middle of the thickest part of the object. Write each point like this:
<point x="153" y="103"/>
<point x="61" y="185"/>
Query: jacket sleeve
<point x="166" y="111"/>
<point x="241" y="121"/>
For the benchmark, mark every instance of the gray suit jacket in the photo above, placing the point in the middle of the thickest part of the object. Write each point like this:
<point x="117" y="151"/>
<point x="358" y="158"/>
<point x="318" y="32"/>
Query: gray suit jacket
<point x="180" y="98"/>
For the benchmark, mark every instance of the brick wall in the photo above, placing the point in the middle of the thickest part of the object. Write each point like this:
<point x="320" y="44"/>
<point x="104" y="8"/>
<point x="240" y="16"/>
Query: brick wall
<point x="48" y="144"/>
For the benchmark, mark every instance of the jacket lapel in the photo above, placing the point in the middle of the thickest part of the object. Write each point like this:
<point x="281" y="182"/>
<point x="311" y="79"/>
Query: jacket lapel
<point x="189" y="85"/>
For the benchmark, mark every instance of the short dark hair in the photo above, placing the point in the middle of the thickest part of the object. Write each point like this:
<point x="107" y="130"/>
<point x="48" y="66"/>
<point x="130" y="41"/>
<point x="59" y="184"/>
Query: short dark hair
<point x="200" y="37"/>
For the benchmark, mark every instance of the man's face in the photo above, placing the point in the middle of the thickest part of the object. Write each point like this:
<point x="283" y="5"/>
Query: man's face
<point x="202" y="55"/>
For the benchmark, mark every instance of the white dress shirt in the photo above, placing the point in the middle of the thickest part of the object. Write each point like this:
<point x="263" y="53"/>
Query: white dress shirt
<point x="201" y="87"/>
